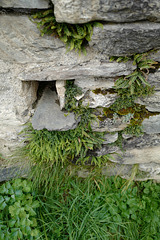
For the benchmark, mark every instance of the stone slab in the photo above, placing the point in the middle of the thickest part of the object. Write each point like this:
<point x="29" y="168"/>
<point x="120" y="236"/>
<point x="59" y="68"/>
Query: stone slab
<point x="12" y="172"/>
<point x="109" y="125"/>
<point x="93" y="100"/>
<point x="81" y="11"/>
<point x="151" y="103"/>
<point x="92" y="83"/>
<point x="110" y="138"/>
<point x="36" y="4"/>
<point x="154" y="79"/>
<point x="152" y="168"/>
<point x="151" y="125"/>
<point x="138" y="150"/>
<point x="50" y="72"/>
<point x="126" y="39"/>
<point x="49" y="116"/>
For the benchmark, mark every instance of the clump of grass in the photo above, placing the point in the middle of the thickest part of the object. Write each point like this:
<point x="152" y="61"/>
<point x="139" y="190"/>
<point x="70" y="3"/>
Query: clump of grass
<point x="97" y="208"/>
<point x="46" y="149"/>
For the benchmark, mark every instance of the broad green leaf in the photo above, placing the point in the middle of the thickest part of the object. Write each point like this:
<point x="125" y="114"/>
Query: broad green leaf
<point x="1" y="199"/>
<point x="34" y="233"/>
<point x="32" y="212"/>
<point x="3" y="189"/>
<point x="11" y="223"/>
<point x="18" y="193"/>
<point x="3" y="205"/>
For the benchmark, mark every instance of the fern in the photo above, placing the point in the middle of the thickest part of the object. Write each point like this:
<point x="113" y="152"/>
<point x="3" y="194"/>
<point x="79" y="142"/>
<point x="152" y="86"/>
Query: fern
<point x="74" y="36"/>
<point x="139" y="77"/>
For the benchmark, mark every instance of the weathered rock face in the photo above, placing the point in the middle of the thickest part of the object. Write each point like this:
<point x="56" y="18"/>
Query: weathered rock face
<point x="91" y="83"/>
<point x="48" y="114"/>
<point x="109" y="125"/>
<point x="81" y="11"/>
<point x="143" y="149"/>
<point x="154" y="79"/>
<point x="151" y="103"/>
<point x="39" y="4"/>
<point x="126" y="39"/>
<point x="93" y="100"/>
<point x="16" y="99"/>
<point x="152" y="125"/>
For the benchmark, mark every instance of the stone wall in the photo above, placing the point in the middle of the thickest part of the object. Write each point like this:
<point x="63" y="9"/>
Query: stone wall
<point x="27" y="59"/>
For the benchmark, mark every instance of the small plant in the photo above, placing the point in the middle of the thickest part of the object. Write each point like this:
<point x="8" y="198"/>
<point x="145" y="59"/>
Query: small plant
<point x="71" y="92"/>
<point x="17" y="211"/>
<point x="137" y="79"/>
<point x="129" y="88"/>
<point x="74" y="36"/>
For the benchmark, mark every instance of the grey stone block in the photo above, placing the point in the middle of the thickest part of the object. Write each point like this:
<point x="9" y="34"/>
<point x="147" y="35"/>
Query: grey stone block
<point x="138" y="150"/>
<point x="151" y="103"/>
<point x="126" y="39"/>
<point x="152" y="124"/>
<point x="38" y="4"/>
<point x="81" y="11"/>
<point x="49" y="116"/>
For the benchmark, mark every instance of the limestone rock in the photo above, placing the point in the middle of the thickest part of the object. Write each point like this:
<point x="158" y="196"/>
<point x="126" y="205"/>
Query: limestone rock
<point x="126" y="136"/>
<point x="49" y="72"/>
<point x="93" y="100"/>
<point x="80" y="11"/>
<point x="151" y="103"/>
<point x="152" y="168"/>
<point x="11" y="172"/>
<point x="155" y="55"/>
<point x="110" y="138"/>
<point x="109" y="125"/>
<point x="39" y="4"/>
<point x="154" y="79"/>
<point x="60" y="87"/>
<point x="151" y="125"/>
<point x="126" y="39"/>
<point x="143" y="149"/>
<point x="94" y="83"/>
<point x="16" y="104"/>
<point x="48" y="114"/>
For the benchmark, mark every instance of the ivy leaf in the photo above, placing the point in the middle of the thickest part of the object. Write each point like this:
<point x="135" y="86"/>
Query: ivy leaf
<point x="32" y="212"/>
<point x="18" y="193"/>
<point x="28" y="230"/>
<point x="3" y="189"/>
<point x="1" y="199"/>
<point x="34" y="222"/>
<point x="34" y="233"/>
<point x="11" y="223"/>
<point x="3" y="205"/>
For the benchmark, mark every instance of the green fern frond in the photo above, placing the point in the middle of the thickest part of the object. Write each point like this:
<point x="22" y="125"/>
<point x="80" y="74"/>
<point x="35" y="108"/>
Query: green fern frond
<point x="143" y="80"/>
<point x="74" y="36"/>
<point x="66" y="30"/>
<point x="98" y="24"/>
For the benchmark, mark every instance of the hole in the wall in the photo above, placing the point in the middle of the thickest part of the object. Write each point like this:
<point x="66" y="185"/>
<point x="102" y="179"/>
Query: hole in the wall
<point x="42" y="85"/>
